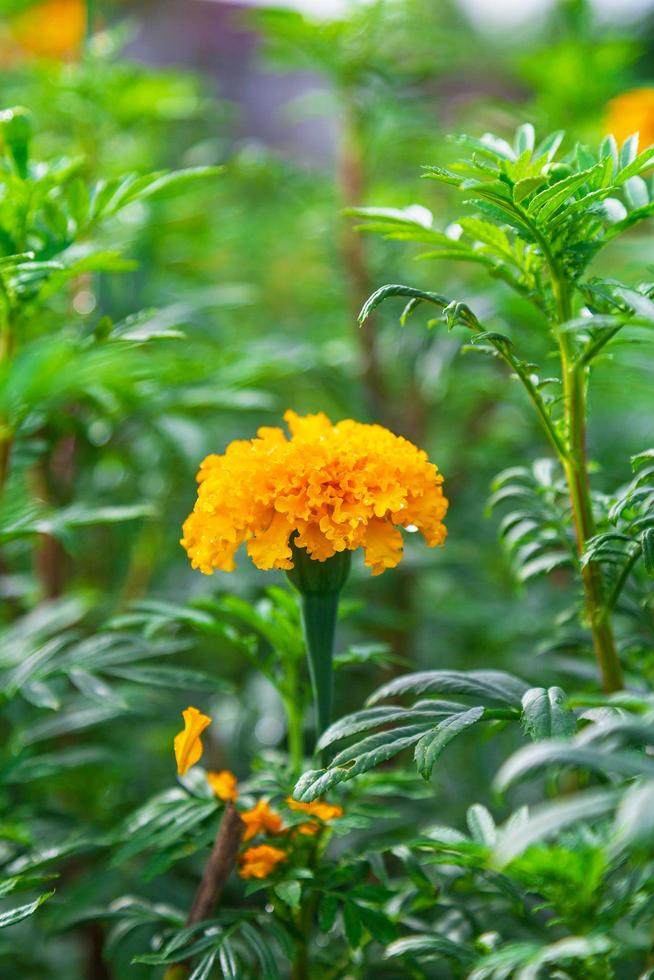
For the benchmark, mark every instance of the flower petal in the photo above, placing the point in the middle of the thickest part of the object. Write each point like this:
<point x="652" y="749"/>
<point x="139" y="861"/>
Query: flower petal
<point x="188" y="746"/>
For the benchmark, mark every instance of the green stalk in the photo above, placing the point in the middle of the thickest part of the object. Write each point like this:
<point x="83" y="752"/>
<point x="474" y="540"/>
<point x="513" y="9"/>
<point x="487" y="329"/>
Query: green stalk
<point x="319" y="584"/>
<point x="294" y="720"/>
<point x="90" y="20"/>
<point x="575" y="464"/>
<point x="319" y="613"/>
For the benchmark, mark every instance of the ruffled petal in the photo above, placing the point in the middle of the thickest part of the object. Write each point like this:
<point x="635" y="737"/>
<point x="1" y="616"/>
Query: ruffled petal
<point x="270" y="548"/>
<point x="382" y="545"/>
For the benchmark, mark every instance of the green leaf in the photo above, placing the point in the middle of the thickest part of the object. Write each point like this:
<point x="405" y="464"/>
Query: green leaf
<point x="430" y="947"/>
<point x="636" y="192"/>
<point x="395" y="289"/>
<point x="545" y="204"/>
<point x="545" y="714"/>
<point x="374" y="717"/>
<point x="175" y="677"/>
<point x="203" y="970"/>
<point x="481" y="825"/>
<point x="634" y="820"/>
<point x="380" y="927"/>
<point x="357" y="759"/>
<point x="95" y="688"/>
<point x="432" y="744"/>
<point x="523" y="188"/>
<point x="290" y="893"/>
<point x="488" y="685"/>
<point x="13" y="916"/>
<point x="327" y="910"/>
<point x="647" y="543"/>
<point x="549" y="819"/>
<point x="556" y="752"/>
<point x="352" y="923"/>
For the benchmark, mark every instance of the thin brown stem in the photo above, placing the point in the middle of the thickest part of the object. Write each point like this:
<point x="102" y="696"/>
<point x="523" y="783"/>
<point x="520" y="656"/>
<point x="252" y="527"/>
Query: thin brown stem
<point x="351" y="181"/>
<point x="220" y="865"/>
<point x="218" y="868"/>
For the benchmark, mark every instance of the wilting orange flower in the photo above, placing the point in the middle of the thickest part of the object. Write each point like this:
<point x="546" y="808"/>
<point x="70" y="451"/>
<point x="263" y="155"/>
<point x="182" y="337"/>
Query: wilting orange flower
<point x="224" y="784"/>
<point x="632" y="112"/>
<point x="188" y="746"/>
<point x="340" y="487"/>
<point x="54" y="29"/>
<point x="261" y="820"/>
<point x="259" y="862"/>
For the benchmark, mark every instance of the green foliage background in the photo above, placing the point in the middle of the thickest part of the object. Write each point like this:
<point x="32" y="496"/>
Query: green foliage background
<point x="250" y="277"/>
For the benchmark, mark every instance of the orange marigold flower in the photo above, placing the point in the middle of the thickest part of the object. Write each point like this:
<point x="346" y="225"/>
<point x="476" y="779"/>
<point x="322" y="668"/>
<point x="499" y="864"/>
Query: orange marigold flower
<point x="261" y="820"/>
<point x="632" y="112"/>
<point x="224" y="784"/>
<point x="310" y="829"/>
<point x="54" y="29"/>
<point x="324" y="811"/>
<point x="338" y="487"/>
<point x="259" y="862"/>
<point x="188" y="745"/>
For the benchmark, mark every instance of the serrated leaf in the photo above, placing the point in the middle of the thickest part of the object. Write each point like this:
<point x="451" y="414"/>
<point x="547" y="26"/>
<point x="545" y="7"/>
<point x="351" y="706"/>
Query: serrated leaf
<point x="374" y="717"/>
<point x="432" y="744"/>
<point x="545" y="714"/>
<point x="481" y="825"/>
<point x="488" y="685"/>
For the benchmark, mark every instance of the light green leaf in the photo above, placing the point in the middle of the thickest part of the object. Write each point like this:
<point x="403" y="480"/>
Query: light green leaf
<point x="545" y="714"/>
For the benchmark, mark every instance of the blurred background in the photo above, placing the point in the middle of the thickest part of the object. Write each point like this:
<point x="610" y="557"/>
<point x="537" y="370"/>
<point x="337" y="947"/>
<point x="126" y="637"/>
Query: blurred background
<point x="310" y="108"/>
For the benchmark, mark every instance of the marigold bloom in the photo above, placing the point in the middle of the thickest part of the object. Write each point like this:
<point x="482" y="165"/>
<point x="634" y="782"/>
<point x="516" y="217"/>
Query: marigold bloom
<point x="261" y="820"/>
<point x="54" y="29"/>
<point x="188" y="745"/>
<point x="337" y="487"/>
<point x="224" y="784"/>
<point x="309" y="829"/>
<point x="632" y="112"/>
<point x="324" y="811"/>
<point x="259" y="862"/>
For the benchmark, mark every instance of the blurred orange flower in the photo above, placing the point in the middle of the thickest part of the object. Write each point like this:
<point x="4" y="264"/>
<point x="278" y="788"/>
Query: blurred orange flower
<point x="188" y="746"/>
<point x="259" y="862"/>
<point x="224" y="784"/>
<point x="632" y="112"/>
<point x="54" y="29"/>
<point x="261" y="820"/>
<point x="324" y="811"/>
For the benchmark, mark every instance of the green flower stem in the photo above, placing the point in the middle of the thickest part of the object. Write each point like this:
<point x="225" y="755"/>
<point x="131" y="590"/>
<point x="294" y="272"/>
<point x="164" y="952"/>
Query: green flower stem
<point x="575" y="463"/>
<point x="294" y="722"/>
<point x="319" y="613"/>
<point x="90" y="20"/>
<point x="319" y="584"/>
